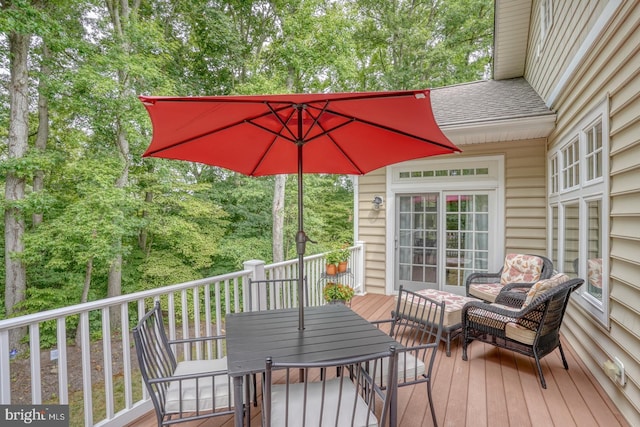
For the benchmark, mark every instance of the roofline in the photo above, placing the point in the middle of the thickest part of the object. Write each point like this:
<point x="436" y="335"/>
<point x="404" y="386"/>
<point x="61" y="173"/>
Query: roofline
<point x="531" y="127"/>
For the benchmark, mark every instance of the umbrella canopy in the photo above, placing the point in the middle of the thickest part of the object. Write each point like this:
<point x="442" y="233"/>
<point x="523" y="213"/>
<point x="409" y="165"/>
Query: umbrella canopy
<point x="341" y="133"/>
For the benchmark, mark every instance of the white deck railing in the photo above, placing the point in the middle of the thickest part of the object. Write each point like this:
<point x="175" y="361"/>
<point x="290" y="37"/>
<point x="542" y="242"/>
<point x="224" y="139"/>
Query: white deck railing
<point x="195" y="308"/>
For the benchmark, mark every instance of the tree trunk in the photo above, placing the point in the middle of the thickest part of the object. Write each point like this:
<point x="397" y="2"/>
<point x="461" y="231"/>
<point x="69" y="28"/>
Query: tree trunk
<point x="144" y="234"/>
<point x="43" y="124"/>
<point x="278" y="218"/>
<point x="16" y="274"/>
<point x="85" y="293"/>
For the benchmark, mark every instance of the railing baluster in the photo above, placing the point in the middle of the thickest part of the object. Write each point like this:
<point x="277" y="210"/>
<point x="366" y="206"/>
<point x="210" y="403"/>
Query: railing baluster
<point x="63" y="383"/>
<point x="126" y="356"/>
<point x="106" y="361"/>
<point x="5" y="368"/>
<point x="86" y="368"/>
<point x="34" y="347"/>
<point x="185" y="323"/>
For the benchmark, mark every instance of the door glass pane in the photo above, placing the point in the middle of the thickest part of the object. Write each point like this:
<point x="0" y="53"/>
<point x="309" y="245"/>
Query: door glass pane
<point x="467" y="238"/>
<point x="417" y="254"/>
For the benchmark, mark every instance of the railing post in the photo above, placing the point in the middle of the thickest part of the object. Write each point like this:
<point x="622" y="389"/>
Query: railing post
<point x="5" y="378"/>
<point x="257" y="273"/>
<point x="359" y="266"/>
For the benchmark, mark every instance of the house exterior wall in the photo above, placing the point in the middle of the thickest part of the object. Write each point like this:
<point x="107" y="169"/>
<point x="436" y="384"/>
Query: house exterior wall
<point x="609" y="70"/>
<point x="547" y="59"/>
<point x="525" y="205"/>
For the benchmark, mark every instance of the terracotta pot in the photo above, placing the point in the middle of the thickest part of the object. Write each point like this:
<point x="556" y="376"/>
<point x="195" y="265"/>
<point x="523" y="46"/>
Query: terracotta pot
<point x="331" y="269"/>
<point x="342" y="267"/>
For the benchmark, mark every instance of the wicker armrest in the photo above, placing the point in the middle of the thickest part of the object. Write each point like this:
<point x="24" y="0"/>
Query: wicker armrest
<point x="482" y="278"/>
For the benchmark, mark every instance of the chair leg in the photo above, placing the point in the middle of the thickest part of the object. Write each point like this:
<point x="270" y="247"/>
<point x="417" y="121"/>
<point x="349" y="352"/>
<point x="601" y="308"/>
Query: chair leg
<point x="564" y="359"/>
<point x="255" y="390"/>
<point x="433" y="410"/>
<point x="542" y="381"/>
<point x="449" y="344"/>
<point x="464" y="344"/>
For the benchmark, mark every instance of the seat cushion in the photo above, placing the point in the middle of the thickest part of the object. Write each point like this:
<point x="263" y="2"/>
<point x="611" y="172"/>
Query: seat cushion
<point x="453" y="304"/>
<point x="521" y="268"/>
<point x="205" y="386"/>
<point x="313" y="409"/>
<point x="544" y="285"/>
<point x="409" y="368"/>
<point x="485" y="291"/>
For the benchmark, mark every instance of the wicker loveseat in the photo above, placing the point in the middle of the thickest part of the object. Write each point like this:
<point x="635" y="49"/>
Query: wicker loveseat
<point x="531" y="328"/>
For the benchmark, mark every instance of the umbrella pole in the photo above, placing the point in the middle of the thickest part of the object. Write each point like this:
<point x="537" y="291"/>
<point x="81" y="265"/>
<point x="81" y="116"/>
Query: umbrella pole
<point x="301" y="238"/>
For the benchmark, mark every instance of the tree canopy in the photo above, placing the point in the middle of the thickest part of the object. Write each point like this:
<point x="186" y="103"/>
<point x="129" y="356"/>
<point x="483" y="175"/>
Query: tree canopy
<point x="93" y="207"/>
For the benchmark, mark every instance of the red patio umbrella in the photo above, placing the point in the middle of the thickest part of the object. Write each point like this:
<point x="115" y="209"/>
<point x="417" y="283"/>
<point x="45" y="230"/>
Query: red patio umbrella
<point x="341" y="133"/>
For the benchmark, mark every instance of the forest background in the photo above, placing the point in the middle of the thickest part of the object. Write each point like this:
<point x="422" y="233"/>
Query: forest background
<point x="86" y="217"/>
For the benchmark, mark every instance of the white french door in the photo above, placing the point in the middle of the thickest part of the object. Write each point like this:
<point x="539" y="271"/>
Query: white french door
<point x="442" y="237"/>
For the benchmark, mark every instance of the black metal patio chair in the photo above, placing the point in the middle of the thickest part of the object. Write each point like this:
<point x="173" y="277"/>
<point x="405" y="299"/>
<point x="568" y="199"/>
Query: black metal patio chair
<point x="187" y="390"/>
<point x="417" y="324"/>
<point x="350" y="398"/>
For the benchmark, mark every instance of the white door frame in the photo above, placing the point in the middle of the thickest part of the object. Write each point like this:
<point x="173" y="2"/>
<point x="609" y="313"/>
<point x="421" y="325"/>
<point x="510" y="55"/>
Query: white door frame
<point x="493" y="180"/>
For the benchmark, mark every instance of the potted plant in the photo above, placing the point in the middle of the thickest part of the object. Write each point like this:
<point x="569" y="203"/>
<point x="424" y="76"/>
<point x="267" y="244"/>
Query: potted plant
<point x="337" y="258"/>
<point x="337" y="293"/>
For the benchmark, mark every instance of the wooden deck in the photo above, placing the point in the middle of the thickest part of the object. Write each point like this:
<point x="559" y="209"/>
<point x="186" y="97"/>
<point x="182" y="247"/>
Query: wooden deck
<point x="495" y="387"/>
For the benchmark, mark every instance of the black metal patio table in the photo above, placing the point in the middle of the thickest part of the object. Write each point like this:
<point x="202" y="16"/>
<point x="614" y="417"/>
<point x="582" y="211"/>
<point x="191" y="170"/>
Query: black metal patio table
<point x="331" y="332"/>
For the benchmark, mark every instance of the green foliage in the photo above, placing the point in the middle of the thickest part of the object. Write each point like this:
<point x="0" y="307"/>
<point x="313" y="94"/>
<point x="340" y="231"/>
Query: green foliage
<point x="337" y="292"/>
<point x="176" y="221"/>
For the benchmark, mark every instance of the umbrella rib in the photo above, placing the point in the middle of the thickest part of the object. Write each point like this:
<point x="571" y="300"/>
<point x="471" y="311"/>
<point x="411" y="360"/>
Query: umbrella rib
<point x="388" y="128"/>
<point x="222" y="128"/>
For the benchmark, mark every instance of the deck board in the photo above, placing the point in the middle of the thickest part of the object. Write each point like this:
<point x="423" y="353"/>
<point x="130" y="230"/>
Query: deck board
<point x="495" y="387"/>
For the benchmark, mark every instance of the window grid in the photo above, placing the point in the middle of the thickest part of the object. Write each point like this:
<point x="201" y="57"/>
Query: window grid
<point x="571" y="165"/>
<point x="593" y="155"/>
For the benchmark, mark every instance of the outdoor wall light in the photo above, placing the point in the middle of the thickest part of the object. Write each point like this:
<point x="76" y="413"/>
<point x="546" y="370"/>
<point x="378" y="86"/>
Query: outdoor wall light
<point x="377" y="201"/>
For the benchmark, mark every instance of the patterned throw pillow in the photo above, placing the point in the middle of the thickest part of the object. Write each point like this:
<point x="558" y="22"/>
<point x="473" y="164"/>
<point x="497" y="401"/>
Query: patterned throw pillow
<point x="521" y="268"/>
<point x="544" y="285"/>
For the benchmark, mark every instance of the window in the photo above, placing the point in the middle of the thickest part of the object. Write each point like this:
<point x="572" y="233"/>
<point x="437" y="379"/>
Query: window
<point x="578" y="209"/>
<point x="570" y="165"/>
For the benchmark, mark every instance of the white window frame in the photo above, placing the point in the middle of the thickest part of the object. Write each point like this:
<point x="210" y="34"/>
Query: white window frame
<point x="584" y="191"/>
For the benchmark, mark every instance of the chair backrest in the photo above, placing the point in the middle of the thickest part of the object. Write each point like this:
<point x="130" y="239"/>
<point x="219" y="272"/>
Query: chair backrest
<point x="155" y="358"/>
<point x="546" y="312"/>
<point x="346" y="396"/>
<point x="417" y="325"/>
<point x="273" y="294"/>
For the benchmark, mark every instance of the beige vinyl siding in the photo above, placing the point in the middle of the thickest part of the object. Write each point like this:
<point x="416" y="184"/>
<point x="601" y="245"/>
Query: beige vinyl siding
<point x="572" y="21"/>
<point x="611" y="70"/>
<point x="372" y="229"/>
<point x="525" y="205"/>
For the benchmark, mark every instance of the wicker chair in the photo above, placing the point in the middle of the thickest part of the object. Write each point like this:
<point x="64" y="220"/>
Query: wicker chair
<point x="187" y="390"/>
<point x="416" y="323"/>
<point x="531" y="328"/>
<point x="346" y="400"/>
<point x="524" y="269"/>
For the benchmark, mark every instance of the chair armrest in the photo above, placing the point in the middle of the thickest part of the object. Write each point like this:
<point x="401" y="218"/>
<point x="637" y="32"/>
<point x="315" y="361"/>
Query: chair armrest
<point x="490" y="308"/>
<point x="197" y="339"/>
<point x="481" y="278"/>
<point x="185" y="377"/>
